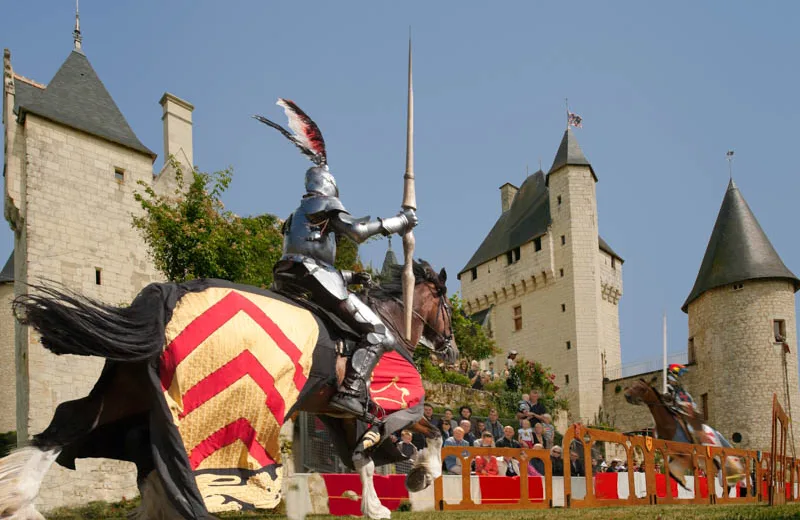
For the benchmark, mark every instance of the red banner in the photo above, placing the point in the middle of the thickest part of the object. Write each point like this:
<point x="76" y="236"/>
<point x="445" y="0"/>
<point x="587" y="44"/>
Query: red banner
<point x="391" y="491"/>
<point x="661" y="485"/>
<point x="605" y="486"/>
<point x="505" y="490"/>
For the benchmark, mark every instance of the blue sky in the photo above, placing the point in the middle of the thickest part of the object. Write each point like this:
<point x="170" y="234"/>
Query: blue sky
<point x="665" y="89"/>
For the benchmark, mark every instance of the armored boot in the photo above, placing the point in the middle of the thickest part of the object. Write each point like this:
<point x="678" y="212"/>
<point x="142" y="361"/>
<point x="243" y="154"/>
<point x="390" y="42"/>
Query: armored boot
<point x="353" y="396"/>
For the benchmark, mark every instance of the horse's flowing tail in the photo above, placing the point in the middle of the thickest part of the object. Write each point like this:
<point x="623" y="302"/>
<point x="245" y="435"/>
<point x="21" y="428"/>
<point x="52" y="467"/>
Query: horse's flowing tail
<point x="73" y="324"/>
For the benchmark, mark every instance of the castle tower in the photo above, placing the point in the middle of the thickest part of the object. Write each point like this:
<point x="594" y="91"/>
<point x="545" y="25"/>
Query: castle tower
<point x="72" y="164"/>
<point x="742" y="328"/>
<point x="548" y="284"/>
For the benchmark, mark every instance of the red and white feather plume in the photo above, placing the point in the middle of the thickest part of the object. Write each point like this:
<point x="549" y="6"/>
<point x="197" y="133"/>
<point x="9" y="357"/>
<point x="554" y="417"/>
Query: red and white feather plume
<point x="305" y="133"/>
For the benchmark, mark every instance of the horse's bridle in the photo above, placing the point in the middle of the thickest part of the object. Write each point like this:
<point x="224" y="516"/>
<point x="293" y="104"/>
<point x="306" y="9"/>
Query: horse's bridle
<point x="442" y="341"/>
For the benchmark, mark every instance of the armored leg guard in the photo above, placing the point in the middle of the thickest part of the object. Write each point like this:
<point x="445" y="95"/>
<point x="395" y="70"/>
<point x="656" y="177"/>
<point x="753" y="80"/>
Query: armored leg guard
<point x="353" y="396"/>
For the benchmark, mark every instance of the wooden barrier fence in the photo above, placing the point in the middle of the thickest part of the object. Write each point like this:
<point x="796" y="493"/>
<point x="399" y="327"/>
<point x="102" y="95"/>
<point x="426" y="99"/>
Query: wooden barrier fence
<point x="765" y="481"/>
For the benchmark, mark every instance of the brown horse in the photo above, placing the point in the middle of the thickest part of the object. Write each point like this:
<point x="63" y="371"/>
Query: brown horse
<point x="672" y="428"/>
<point x="199" y="379"/>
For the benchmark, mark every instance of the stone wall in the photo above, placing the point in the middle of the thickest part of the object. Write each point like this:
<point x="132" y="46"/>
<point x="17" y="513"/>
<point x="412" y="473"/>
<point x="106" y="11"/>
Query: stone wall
<point x="731" y="328"/>
<point x="454" y="396"/>
<point x="8" y="393"/>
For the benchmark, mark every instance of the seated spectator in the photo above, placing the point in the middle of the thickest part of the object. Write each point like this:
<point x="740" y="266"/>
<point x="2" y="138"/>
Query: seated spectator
<point x="465" y="414"/>
<point x="556" y="461"/>
<point x="523" y="409"/>
<point x="491" y="372"/>
<point x="463" y="367"/>
<point x="447" y="418"/>
<point x="537" y="409"/>
<point x="452" y="463"/>
<point x="407" y="449"/>
<point x="468" y="435"/>
<point x="549" y="431"/>
<point x="486" y="465"/>
<point x="486" y="441"/>
<point x="575" y="465"/>
<point x="493" y="426"/>
<point x="480" y="427"/>
<point x="538" y="434"/>
<point x="536" y="464"/>
<point x="508" y="440"/>
<point x="525" y="434"/>
<point x="447" y="430"/>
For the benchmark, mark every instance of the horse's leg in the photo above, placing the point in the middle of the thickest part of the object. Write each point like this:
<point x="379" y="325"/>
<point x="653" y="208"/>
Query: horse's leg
<point x="21" y="475"/>
<point x="371" y="506"/>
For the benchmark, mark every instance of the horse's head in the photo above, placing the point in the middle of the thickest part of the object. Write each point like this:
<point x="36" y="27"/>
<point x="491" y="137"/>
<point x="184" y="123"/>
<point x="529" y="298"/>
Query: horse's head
<point x="432" y="324"/>
<point x="433" y="307"/>
<point x="637" y="392"/>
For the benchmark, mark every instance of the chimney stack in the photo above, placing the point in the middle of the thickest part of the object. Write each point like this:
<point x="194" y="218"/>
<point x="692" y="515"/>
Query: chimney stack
<point x="507" y="193"/>
<point x="177" y="129"/>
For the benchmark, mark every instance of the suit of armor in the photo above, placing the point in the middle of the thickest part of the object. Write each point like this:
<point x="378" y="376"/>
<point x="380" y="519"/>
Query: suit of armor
<point x="309" y="251"/>
<point x="682" y="402"/>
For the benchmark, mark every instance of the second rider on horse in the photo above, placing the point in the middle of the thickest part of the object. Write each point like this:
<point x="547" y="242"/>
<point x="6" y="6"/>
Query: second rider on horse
<point x="309" y="251"/>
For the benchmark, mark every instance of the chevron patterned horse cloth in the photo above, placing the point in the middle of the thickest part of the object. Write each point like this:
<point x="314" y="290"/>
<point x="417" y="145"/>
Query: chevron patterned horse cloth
<point x="233" y="364"/>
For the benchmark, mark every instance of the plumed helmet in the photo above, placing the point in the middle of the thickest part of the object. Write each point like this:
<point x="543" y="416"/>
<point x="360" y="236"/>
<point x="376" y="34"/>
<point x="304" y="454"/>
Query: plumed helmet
<point x="320" y="181"/>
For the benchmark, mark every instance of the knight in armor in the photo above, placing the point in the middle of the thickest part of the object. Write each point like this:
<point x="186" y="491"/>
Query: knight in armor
<point x="681" y="399"/>
<point x="309" y="251"/>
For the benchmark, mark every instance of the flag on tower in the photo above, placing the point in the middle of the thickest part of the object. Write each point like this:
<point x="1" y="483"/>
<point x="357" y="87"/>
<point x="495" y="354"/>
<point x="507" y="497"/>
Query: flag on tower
<point x="574" y="120"/>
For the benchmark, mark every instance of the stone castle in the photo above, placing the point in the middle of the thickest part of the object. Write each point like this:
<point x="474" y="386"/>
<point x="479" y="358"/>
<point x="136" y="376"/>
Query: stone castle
<point x="544" y="283"/>
<point x="547" y="285"/>
<point x="71" y="167"/>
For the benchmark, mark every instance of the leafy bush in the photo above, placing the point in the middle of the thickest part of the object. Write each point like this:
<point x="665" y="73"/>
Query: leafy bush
<point x="456" y="378"/>
<point x="429" y="372"/>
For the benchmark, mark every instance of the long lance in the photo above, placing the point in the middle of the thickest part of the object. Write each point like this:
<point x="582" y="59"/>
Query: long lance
<point x="409" y="202"/>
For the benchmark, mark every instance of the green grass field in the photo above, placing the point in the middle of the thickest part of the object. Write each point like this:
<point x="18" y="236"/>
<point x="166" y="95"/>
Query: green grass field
<point x="102" y="510"/>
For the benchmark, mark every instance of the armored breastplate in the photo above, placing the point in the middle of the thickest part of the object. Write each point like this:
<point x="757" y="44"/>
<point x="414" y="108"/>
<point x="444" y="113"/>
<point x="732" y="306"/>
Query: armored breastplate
<point x="308" y="232"/>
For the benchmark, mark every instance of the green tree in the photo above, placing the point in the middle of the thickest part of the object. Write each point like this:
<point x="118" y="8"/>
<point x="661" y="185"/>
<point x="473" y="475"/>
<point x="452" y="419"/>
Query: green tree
<point x="190" y="234"/>
<point x="471" y="338"/>
<point x="525" y="376"/>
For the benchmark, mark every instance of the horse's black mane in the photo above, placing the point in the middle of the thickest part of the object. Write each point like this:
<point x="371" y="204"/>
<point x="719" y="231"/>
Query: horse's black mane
<point x="392" y="286"/>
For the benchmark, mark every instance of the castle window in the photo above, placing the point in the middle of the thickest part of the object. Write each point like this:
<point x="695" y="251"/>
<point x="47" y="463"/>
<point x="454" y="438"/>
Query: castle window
<point x="569" y="345"/>
<point x="779" y="328"/>
<point x="474" y="272"/>
<point x="563" y="307"/>
<point x="559" y="200"/>
<point x="691" y="351"/>
<point x="518" y="317"/>
<point x="704" y="399"/>
<point x="537" y="244"/>
<point x="98" y="278"/>
<point x="566" y="379"/>
<point x="563" y="240"/>
<point x="738" y="286"/>
<point x="561" y="272"/>
<point x="119" y="174"/>
<point x="613" y="263"/>
<point x="512" y="256"/>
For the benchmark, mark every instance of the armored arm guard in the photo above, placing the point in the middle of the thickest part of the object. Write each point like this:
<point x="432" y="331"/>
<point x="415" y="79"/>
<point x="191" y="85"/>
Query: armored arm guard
<point x="361" y="229"/>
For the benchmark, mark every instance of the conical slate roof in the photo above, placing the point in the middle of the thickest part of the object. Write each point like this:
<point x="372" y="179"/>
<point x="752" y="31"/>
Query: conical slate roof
<point x="76" y="97"/>
<point x="570" y="154"/>
<point x="738" y="250"/>
<point x="527" y="218"/>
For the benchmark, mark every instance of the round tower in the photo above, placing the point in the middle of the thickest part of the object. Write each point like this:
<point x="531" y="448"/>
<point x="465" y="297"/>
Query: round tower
<point x="742" y="329"/>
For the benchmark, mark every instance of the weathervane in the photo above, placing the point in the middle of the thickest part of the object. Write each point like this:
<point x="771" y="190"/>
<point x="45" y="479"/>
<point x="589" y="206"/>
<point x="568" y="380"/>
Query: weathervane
<point x="729" y="156"/>
<point x="76" y="34"/>
<point x="572" y="119"/>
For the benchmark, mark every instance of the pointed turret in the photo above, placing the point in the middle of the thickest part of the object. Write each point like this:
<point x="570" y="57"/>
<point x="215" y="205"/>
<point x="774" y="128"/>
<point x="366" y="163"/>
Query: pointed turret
<point x="389" y="261"/>
<point x="569" y="154"/>
<point x="76" y="97"/>
<point x="738" y="250"/>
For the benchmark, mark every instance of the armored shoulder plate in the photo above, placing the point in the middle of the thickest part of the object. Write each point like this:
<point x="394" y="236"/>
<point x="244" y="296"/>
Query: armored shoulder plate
<point x="321" y="205"/>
